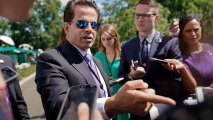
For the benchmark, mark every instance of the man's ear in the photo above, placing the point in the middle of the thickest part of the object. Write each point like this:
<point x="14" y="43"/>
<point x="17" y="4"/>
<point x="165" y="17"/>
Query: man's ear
<point x="66" y="27"/>
<point x="157" y="17"/>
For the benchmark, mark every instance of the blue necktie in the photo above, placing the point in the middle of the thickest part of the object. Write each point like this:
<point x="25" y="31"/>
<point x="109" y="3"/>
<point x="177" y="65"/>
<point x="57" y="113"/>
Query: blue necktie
<point x="144" y="53"/>
<point x="95" y="75"/>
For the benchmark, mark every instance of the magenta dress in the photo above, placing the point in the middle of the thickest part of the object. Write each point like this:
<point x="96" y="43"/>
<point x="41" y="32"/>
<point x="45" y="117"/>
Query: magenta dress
<point x="201" y="65"/>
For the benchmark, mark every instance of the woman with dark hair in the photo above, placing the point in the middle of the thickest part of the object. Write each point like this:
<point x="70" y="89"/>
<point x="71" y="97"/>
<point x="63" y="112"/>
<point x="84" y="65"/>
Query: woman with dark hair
<point x="197" y="56"/>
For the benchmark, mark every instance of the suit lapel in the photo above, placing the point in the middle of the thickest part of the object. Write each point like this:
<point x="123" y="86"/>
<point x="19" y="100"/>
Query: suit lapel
<point x="155" y="42"/>
<point x="103" y="72"/>
<point x="154" y="45"/>
<point x="75" y="59"/>
<point x="83" y="69"/>
<point x="135" y="48"/>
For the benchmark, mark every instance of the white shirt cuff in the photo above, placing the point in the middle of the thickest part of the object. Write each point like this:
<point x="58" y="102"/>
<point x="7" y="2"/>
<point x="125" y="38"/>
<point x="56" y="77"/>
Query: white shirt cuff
<point x="100" y="106"/>
<point x="153" y="112"/>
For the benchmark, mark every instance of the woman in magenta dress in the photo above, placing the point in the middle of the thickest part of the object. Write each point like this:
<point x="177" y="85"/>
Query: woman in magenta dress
<point x="197" y="56"/>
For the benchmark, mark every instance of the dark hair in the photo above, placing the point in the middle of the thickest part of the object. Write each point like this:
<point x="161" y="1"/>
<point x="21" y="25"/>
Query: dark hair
<point x="182" y="23"/>
<point x="113" y="33"/>
<point x="150" y="3"/>
<point x="69" y="12"/>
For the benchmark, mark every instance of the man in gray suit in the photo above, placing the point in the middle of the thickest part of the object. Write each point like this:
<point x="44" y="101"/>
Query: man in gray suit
<point x="71" y="63"/>
<point x="150" y="43"/>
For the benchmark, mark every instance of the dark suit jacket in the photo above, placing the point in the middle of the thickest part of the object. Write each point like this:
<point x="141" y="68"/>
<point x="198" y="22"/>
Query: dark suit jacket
<point x="164" y="82"/>
<point x="57" y="70"/>
<point x="18" y="104"/>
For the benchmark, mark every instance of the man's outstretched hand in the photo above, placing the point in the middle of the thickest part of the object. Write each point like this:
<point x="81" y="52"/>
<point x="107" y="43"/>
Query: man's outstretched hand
<point x="134" y="97"/>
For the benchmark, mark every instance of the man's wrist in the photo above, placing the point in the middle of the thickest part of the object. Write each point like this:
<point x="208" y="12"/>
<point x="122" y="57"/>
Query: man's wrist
<point x="153" y="112"/>
<point x="101" y="107"/>
<point x="108" y="107"/>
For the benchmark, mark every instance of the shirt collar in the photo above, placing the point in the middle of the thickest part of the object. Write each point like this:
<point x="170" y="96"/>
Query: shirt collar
<point x="83" y="53"/>
<point x="149" y="38"/>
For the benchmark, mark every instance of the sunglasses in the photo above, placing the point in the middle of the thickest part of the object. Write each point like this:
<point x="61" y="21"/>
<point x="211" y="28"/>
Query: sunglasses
<point x="81" y="24"/>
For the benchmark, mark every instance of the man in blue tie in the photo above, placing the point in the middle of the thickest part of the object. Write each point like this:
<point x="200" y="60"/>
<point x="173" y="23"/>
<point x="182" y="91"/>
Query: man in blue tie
<point x="66" y="66"/>
<point x="150" y="43"/>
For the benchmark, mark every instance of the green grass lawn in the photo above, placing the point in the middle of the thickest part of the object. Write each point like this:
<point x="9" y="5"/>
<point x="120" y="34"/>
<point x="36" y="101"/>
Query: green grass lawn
<point x="26" y="71"/>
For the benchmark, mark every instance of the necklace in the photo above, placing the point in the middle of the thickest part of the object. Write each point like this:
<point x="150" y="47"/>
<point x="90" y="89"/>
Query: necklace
<point x="109" y="66"/>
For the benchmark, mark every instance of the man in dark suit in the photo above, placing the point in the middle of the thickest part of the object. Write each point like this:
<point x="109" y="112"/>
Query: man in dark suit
<point x="18" y="105"/>
<point x="72" y="64"/>
<point x="150" y="43"/>
<point x="164" y="82"/>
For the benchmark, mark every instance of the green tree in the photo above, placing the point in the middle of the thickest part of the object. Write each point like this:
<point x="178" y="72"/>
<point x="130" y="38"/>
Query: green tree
<point x="42" y="29"/>
<point x="4" y="26"/>
<point x="202" y="8"/>
<point x="119" y="13"/>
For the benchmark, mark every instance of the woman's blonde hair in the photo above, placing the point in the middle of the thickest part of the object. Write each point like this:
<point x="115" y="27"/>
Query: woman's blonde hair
<point x="113" y="33"/>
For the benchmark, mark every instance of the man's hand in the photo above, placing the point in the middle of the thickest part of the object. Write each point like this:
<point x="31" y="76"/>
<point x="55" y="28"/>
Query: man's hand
<point x="83" y="113"/>
<point x="136" y="71"/>
<point x="134" y="97"/>
<point x="174" y="27"/>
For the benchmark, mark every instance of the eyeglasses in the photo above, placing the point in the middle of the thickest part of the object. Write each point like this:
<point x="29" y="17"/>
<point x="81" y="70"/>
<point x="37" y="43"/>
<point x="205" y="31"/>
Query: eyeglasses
<point x="81" y="24"/>
<point x="143" y="16"/>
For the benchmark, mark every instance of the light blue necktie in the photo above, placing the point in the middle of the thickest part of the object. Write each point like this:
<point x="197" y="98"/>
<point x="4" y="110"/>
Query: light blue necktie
<point x="95" y="75"/>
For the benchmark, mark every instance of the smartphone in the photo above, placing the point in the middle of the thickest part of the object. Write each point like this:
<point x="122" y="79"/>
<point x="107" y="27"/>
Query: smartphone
<point x="158" y="60"/>
<point x="75" y="95"/>
<point x="203" y="93"/>
<point x="9" y="74"/>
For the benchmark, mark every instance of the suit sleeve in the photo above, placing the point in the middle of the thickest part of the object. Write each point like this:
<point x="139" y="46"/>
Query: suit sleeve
<point x="124" y="68"/>
<point x="175" y="51"/>
<point x="18" y="103"/>
<point x="52" y="84"/>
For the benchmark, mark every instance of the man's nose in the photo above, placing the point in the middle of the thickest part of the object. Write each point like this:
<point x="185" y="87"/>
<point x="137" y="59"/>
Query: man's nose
<point x="89" y="27"/>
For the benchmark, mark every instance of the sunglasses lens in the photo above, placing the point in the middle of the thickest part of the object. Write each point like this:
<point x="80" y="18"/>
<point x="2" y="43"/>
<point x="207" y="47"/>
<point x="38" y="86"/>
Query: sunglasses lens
<point x="82" y="24"/>
<point x="94" y="25"/>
